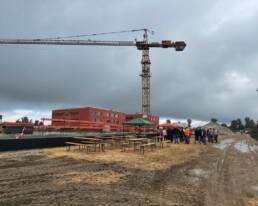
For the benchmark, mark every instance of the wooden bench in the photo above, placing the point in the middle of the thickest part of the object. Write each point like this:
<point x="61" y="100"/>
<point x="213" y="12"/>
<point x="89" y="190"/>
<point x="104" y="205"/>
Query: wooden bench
<point x="112" y="143"/>
<point x="135" y="145"/>
<point x="69" y="144"/>
<point x="165" y="142"/>
<point x="151" y="145"/>
<point x="89" y="147"/>
<point x="124" y="145"/>
<point x="102" y="147"/>
<point x="90" y="144"/>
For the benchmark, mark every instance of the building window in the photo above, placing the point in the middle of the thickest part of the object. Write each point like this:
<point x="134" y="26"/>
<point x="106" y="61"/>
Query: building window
<point x="58" y="114"/>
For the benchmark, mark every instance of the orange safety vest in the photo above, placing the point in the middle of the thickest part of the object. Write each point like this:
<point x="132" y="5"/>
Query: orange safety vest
<point x="187" y="132"/>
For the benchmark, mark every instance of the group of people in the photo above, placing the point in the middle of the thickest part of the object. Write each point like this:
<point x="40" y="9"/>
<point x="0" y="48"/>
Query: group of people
<point x="177" y="135"/>
<point x="201" y="135"/>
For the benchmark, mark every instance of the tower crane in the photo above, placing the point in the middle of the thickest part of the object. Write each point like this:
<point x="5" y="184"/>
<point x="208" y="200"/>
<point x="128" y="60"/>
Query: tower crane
<point x="140" y="45"/>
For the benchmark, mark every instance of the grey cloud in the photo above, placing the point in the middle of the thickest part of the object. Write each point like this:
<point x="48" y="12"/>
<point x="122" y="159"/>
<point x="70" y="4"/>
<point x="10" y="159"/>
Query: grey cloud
<point x="191" y="84"/>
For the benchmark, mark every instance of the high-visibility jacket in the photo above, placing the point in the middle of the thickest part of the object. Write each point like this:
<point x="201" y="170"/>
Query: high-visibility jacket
<point x="187" y="132"/>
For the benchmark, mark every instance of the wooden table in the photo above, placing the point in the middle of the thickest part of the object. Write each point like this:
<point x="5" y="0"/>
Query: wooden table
<point x="106" y="138"/>
<point x="120" y="138"/>
<point x="90" y="139"/>
<point x="141" y="135"/>
<point x="116" y="139"/>
<point x="156" y="138"/>
<point x="137" y="141"/>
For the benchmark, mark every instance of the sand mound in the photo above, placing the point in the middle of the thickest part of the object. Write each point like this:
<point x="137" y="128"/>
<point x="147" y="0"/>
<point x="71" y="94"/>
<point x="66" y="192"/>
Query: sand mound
<point x="222" y="130"/>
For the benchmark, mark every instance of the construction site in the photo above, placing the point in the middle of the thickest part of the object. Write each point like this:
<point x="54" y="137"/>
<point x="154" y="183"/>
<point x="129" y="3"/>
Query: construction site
<point x="177" y="174"/>
<point x="108" y="157"/>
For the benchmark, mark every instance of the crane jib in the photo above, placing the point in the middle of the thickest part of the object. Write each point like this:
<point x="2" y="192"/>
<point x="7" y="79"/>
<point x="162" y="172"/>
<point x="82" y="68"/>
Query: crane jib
<point x="141" y="45"/>
<point x="67" y="42"/>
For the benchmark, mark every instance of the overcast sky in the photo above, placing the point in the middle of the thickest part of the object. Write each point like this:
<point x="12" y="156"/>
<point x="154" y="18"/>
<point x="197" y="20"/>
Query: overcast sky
<point x="214" y="77"/>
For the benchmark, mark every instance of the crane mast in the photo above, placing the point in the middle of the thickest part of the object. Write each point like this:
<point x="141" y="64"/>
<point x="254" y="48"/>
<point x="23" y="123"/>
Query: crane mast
<point x="141" y="45"/>
<point x="145" y="77"/>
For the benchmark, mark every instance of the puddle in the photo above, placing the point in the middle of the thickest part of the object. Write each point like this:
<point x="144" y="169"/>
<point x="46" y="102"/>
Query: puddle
<point x="223" y="144"/>
<point x="242" y="146"/>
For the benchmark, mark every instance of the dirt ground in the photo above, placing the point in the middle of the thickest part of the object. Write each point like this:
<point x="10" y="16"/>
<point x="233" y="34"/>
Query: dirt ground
<point x="219" y="174"/>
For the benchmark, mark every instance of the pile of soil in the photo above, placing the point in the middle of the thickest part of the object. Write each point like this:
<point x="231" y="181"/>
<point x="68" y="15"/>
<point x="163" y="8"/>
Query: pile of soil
<point x="222" y="130"/>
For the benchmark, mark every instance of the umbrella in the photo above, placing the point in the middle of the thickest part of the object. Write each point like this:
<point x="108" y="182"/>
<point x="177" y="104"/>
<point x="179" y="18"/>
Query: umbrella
<point x="167" y="124"/>
<point x="139" y="122"/>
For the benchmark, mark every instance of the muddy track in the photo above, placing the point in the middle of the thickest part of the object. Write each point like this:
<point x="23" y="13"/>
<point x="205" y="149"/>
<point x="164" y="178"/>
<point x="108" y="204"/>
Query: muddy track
<point x="223" y="174"/>
<point x="231" y="176"/>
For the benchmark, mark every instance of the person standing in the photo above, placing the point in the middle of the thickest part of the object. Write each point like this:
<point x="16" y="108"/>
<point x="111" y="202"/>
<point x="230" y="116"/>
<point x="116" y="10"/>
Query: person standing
<point x="204" y="136"/>
<point x="161" y="135"/>
<point x="215" y="135"/>
<point x="198" y="134"/>
<point x="195" y="135"/>
<point x="164" y="134"/>
<point x="211" y="133"/>
<point x="176" y="133"/>
<point x="187" y="135"/>
<point x="183" y="133"/>
<point x="170" y="134"/>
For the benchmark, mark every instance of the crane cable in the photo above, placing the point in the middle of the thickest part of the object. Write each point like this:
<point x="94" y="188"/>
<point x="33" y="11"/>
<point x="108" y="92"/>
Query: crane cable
<point x="105" y="33"/>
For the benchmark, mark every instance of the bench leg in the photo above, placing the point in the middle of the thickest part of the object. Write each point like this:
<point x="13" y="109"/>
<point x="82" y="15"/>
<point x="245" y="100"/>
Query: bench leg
<point x="103" y="147"/>
<point x="135" y="147"/>
<point x="142" y="149"/>
<point x="88" y="149"/>
<point x="123" y="148"/>
<point x="111" y="144"/>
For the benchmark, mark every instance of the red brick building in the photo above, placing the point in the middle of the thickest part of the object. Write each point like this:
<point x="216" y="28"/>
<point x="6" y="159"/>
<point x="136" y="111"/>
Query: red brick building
<point x="94" y="118"/>
<point x="102" y="117"/>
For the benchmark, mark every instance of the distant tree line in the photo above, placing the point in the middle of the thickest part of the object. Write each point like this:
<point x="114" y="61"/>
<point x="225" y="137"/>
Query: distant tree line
<point x="237" y="124"/>
<point x="26" y="119"/>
